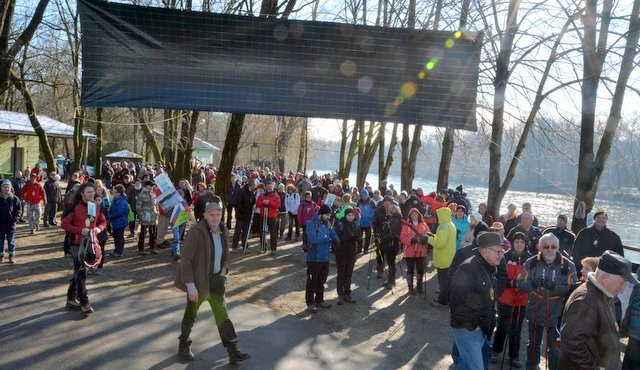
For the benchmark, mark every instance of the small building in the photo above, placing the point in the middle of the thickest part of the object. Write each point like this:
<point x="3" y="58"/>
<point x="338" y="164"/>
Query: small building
<point x="124" y="155"/>
<point x="202" y="150"/>
<point x="19" y="145"/>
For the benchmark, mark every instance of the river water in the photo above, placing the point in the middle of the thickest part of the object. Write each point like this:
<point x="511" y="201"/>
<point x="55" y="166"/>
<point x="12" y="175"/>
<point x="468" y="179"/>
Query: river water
<point x="624" y="218"/>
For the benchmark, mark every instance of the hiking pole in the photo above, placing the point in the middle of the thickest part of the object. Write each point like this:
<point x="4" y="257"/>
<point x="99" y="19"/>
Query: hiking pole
<point x="369" y="269"/>
<point x="245" y="245"/>
<point x="263" y="240"/>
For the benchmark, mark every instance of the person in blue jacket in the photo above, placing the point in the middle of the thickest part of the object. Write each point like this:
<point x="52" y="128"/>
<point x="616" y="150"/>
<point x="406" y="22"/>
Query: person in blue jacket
<point x="462" y="224"/>
<point x="320" y="236"/>
<point x="367" y="210"/>
<point x="119" y="214"/>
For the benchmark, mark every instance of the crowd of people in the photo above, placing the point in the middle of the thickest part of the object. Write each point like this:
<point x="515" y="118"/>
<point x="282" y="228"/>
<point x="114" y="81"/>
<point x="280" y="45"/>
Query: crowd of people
<point x="492" y="274"/>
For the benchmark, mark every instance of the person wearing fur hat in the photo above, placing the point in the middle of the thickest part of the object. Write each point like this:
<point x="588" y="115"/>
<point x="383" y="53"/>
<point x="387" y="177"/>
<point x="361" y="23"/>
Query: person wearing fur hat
<point x="472" y="302"/>
<point x="348" y="229"/>
<point x="592" y="241"/>
<point x="415" y="252"/>
<point x="320" y="236"/>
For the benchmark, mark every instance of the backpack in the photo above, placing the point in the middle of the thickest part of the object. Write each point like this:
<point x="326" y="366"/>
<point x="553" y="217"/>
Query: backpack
<point x="130" y="216"/>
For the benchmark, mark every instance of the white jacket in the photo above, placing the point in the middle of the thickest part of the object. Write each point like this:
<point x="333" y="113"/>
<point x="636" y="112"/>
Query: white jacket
<point x="292" y="202"/>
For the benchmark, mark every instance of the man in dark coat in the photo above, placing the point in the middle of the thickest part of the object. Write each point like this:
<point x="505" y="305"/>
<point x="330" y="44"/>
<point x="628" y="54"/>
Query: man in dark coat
<point x="472" y="301"/>
<point x="54" y="197"/>
<point x="594" y="240"/>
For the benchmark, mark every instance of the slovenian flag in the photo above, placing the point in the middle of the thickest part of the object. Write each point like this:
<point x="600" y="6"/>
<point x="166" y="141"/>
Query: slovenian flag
<point x="180" y="214"/>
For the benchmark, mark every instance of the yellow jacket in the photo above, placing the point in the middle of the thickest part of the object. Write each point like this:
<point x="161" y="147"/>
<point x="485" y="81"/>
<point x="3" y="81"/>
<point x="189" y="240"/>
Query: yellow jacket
<point x="444" y="241"/>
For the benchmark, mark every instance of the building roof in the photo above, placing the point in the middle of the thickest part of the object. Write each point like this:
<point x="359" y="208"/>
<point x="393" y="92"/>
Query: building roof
<point x="18" y="123"/>
<point x="197" y="143"/>
<point x="123" y="154"/>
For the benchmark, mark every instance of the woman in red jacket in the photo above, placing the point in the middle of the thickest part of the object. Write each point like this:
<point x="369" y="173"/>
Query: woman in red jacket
<point x="414" y="252"/>
<point x="511" y="302"/>
<point x="81" y="223"/>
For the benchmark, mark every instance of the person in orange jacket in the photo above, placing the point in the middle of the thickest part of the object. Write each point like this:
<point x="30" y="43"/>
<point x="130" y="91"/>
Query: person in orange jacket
<point x="269" y="203"/>
<point x="414" y="252"/>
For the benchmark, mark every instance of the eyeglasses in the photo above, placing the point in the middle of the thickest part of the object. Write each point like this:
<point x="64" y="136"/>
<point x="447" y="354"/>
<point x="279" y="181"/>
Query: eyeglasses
<point x="554" y="247"/>
<point x="497" y="251"/>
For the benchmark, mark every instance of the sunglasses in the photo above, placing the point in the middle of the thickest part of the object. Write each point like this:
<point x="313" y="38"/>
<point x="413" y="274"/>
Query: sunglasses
<point x="550" y="246"/>
<point x="497" y="251"/>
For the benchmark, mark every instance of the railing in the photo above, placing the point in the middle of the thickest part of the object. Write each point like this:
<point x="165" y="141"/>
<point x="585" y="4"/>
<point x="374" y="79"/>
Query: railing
<point x="636" y="265"/>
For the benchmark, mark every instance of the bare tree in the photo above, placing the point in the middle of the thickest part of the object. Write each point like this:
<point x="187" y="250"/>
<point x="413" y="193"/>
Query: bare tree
<point x="595" y="50"/>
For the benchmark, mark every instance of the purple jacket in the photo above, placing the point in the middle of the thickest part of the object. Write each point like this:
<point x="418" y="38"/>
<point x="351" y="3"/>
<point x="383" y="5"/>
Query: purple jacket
<point x="306" y="210"/>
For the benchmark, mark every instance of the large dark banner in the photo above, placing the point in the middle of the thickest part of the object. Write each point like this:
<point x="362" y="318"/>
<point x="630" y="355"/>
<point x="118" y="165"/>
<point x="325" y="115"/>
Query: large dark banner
<point x="134" y="56"/>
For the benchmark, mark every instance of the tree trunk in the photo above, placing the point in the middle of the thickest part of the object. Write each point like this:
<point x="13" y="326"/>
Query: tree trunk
<point x="410" y="149"/>
<point x="149" y="138"/>
<point x="170" y="139"/>
<point x="343" y="147"/>
<point x="303" y="145"/>
<point x="98" y="160"/>
<point x="345" y="170"/>
<point x="229" y="152"/>
<point x="448" y="139"/>
<point x="366" y="151"/>
<point x="45" y="148"/>
<point x="590" y="169"/>
<point x="8" y="54"/>
<point x="384" y="171"/>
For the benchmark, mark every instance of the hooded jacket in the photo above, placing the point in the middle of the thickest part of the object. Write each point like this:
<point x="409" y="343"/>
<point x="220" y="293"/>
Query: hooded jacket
<point x="408" y="234"/>
<point x="119" y="212"/>
<point x="9" y="213"/>
<point x="462" y="226"/>
<point x="444" y="240"/>
<point x="320" y="236"/>
<point x="367" y="210"/>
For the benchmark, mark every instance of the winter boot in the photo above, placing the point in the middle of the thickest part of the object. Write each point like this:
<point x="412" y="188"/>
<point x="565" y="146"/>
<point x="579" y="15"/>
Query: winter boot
<point x="184" y="352"/>
<point x="410" y="284"/>
<point x="419" y="284"/>
<point x="236" y="355"/>
<point x="11" y="260"/>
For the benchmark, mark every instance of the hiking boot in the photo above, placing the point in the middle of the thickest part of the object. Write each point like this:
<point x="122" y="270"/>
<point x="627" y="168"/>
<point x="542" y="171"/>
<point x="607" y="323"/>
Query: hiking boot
<point x="348" y="299"/>
<point x="176" y="256"/>
<point x="515" y="363"/>
<point x="1" y="258"/>
<point x="235" y="355"/>
<point x="153" y="251"/>
<point x="73" y="304"/>
<point x="184" y="352"/>
<point x="412" y="291"/>
<point x="86" y="309"/>
<point x="439" y="305"/>
<point x="388" y="285"/>
<point x="115" y="255"/>
<point x="312" y="308"/>
<point x="11" y="259"/>
<point x="323" y="305"/>
<point x="45" y="225"/>
<point x="32" y="232"/>
<point x="495" y="357"/>
<point x="98" y="271"/>
<point x="53" y="223"/>
<point x="142" y="253"/>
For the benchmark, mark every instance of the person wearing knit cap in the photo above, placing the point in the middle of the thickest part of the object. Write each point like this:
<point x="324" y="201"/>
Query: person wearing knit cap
<point x="592" y="241"/>
<point x="461" y="221"/>
<point x="469" y="236"/>
<point x="348" y="229"/>
<point x="320" y="235"/>
<point x="202" y="274"/>
<point x="9" y="215"/>
<point x="472" y="301"/>
<point x="367" y="211"/>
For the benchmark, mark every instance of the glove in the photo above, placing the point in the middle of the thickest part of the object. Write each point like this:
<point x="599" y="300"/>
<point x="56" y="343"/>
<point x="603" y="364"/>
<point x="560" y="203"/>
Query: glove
<point x="512" y="283"/>
<point x="550" y="284"/>
<point x="424" y="239"/>
<point x="537" y="282"/>
<point x="415" y="240"/>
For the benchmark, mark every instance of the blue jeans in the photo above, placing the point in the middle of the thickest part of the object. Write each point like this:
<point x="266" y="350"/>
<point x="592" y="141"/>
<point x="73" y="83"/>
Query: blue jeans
<point x="535" y="340"/>
<point x="118" y="240"/>
<point x="11" y="242"/>
<point x="469" y="344"/>
<point x="177" y="234"/>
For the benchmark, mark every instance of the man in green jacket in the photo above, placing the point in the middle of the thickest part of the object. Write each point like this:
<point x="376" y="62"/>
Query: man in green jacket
<point x="202" y="274"/>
